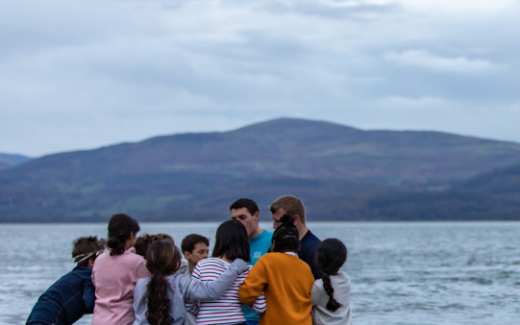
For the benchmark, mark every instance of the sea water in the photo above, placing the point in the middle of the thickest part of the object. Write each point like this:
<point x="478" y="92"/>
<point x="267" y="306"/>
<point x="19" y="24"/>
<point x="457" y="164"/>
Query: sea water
<point x="402" y="273"/>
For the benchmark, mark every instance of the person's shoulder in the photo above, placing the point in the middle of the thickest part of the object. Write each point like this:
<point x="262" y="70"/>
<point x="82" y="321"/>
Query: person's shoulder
<point x="318" y="283"/>
<point x="179" y="282"/>
<point x="81" y="272"/>
<point x="102" y="257"/>
<point x="141" y="287"/>
<point x="266" y="258"/>
<point x="313" y="238"/>
<point x="143" y="281"/>
<point x="343" y="276"/>
<point x="142" y="284"/>
<point x="183" y="269"/>
<point x="310" y="241"/>
<point x="133" y="258"/>
<point x="70" y="278"/>
<point x="209" y="262"/>
<point x="276" y="256"/>
<point x="267" y="234"/>
<point x="263" y="238"/>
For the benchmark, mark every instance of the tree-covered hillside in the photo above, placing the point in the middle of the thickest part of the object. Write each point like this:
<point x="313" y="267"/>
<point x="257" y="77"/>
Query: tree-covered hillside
<point x="341" y="173"/>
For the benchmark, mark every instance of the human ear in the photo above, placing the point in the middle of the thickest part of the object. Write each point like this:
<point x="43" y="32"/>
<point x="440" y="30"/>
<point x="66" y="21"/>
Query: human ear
<point x="296" y="219"/>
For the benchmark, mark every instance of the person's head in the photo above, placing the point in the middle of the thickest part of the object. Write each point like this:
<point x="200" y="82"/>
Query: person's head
<point x="142" y="243"/>
<point x="331" y="254"/>
<point x="290" y="205"/>
<point x="231" y="241"/>
<point x="286" y="237"/>
<point x="163" y="237"/>
<point x="162" y="259"/>
<point x="195" y="248"/>
<point x="121" y="233"/>
<point x="85" y="250"/>
<point x="246" y="211"/>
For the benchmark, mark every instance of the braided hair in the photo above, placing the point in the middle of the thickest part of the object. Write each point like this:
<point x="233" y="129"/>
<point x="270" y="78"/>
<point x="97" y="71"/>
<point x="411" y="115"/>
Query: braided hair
<point x="286" y="237"/>
<point x="331" y="254"/>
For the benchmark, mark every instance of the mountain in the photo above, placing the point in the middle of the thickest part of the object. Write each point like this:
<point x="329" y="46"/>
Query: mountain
<point x="341" y="173"/>
<point x="490" y="196"/>
<point x="8" y="160"/>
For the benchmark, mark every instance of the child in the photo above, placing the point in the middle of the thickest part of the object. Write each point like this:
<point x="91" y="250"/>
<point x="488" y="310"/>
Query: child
<point x="72" y="295"/>
<point x="160" y="299"/>
<point x="286" y="279"/>
<point x="143" y="242"/>
<point x="194" y="248"/>
<point x="331" y="294"/>
<point x="116" y="272"/>
<point x="231" y="243"/>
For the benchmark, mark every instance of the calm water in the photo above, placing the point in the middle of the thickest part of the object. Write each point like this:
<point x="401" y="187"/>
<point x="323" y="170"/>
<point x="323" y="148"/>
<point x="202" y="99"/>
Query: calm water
<point x="402" y="273"/>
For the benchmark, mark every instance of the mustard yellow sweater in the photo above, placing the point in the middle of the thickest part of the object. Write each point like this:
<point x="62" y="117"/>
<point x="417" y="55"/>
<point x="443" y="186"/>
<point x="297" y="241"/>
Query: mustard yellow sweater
<point x="287" y="282"/>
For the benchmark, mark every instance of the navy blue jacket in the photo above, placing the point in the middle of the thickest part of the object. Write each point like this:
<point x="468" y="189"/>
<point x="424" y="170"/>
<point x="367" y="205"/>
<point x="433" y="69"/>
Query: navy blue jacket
<point x="308" y="246"/>
<point x="67" y="300"/>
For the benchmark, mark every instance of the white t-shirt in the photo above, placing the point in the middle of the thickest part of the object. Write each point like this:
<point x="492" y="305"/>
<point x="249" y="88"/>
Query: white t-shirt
<point x="320" y="314"/>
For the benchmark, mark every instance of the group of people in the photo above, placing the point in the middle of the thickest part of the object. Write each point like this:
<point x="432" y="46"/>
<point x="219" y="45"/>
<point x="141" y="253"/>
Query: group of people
<point x="252" y="277"/>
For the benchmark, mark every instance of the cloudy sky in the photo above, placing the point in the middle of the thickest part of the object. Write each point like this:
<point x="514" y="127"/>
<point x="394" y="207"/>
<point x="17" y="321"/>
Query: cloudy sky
<point x="81" y="74"/>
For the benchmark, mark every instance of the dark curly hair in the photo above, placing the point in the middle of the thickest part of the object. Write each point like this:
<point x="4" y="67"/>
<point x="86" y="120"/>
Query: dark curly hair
<point x="120" y="228"/>
<point x="162" y="259"/>
<point x="331" y="254"/>
<point x="286" y="237"/>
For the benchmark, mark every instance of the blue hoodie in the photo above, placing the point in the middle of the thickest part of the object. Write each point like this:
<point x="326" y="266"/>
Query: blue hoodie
<point x="67" y="300"/>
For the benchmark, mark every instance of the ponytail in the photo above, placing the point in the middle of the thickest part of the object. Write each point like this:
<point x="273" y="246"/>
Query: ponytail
<point x="331" y="254"/>
<point x="120" y="228"/>
<point x="158" y="301"/>
<point x="162" y="259"/>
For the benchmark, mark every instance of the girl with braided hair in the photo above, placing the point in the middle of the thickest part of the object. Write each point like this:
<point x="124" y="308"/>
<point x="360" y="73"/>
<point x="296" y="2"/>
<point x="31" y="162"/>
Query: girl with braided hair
<point x="286" y="280"/>
<point x="331" y="293"/>
<point x="160" y="299"/>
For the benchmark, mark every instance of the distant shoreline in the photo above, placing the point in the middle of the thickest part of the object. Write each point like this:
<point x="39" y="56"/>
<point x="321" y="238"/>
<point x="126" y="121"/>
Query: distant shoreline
<point x="267" y="222"/>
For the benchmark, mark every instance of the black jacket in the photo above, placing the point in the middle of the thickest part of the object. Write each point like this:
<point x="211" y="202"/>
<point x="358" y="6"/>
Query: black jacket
<point x="67" y="300"/>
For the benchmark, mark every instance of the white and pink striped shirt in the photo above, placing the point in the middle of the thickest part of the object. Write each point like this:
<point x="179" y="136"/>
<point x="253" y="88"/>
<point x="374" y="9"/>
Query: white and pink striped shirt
<point x="228" y="308"/>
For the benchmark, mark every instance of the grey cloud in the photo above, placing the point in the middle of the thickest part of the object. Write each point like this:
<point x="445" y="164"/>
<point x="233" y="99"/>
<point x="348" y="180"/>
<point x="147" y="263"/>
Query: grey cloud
<point x="340" y="9"/>
<point x="77" y="77"/>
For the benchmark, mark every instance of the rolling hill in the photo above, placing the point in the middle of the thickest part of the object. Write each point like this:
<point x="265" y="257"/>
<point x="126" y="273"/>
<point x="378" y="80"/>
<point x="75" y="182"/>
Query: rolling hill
<point x="341" y="173"/>
<point x="9" y="160"/>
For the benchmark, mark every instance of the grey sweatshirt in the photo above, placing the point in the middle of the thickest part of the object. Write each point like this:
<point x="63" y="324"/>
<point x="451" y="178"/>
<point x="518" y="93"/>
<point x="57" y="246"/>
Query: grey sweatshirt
<point x="182" y="288"/>
<point x="320" y="314"/>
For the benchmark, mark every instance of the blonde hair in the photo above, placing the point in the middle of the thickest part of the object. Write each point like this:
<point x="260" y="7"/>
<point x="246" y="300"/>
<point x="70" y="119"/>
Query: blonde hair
<point x="292" y="206"/>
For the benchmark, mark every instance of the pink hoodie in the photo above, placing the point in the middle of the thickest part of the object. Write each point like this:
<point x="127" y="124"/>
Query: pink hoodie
<point x="114" y="278"/>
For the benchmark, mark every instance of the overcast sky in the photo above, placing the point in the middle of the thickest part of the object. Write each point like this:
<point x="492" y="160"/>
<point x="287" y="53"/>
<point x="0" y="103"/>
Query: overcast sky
<point x="81" y="74"/>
